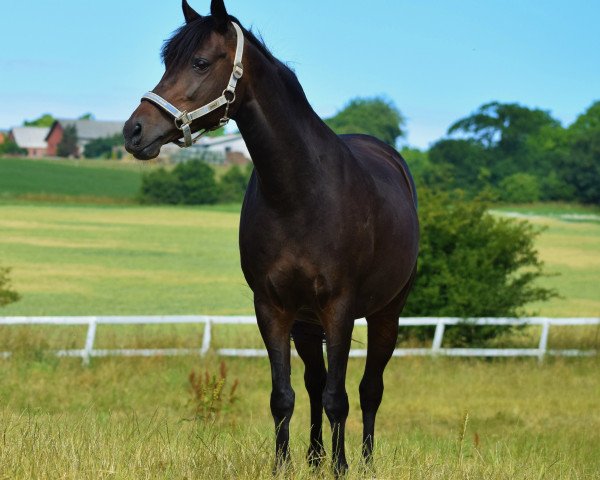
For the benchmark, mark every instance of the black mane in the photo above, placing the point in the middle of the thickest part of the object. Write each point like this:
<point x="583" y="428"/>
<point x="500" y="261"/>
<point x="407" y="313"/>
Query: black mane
<point x="180" y="48"/>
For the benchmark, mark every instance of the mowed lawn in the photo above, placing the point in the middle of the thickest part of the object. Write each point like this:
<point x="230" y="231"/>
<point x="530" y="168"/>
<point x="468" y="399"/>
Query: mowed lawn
<point x="98" y="181"/>
<point x="130" y="260"/>
<point x="85" y="260"/>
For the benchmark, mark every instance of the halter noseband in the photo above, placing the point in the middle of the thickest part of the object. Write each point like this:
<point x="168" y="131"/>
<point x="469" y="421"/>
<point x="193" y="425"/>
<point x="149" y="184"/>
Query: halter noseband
<point x="183" y="120"/>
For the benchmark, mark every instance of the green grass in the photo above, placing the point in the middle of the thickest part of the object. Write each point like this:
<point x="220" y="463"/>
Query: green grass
<point x="51" y="180"/>
<point x="131" y="419"/>
<point x="105" y="260"/>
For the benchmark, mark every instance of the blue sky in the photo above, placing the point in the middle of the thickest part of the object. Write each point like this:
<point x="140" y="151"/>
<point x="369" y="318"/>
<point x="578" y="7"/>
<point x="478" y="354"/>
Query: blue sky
<point x="436" y="60"/>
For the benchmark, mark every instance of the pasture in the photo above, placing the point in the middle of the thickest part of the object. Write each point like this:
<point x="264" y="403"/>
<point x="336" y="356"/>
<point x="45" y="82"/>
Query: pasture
<point x="134" y="418"/>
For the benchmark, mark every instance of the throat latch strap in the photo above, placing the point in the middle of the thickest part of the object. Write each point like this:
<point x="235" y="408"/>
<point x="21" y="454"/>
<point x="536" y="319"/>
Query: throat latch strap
<point x="183" y="119"/>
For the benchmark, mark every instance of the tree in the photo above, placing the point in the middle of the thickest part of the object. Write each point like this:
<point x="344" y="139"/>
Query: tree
<point x="371" y="116"/>
<point x="582" y="167"/>
<point x="68" y="147"/>
<point x="46" y="120"/>
<point x="87" y="116"/>
<point x="520" y="188"/>
<point x="102" y="147"/>
<point x="11" y="148"/>
<point x="459" y="164"/>
<point x="473" y="264"/>
<point x="7" y="294"/>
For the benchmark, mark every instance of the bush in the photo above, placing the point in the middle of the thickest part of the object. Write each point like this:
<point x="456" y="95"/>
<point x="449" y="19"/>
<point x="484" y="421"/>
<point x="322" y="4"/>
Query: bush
<point x="197" y="183"/>
<point x="520" y="188"/>
<point x="160" y="186"/>
<point x="193" y="183"/>
<point x="11" y="148"/>
<point x="473" y="264"/>
<point x="103" y="147"/>
<point x="7" y="294"/>
<point x="233" y="184"/>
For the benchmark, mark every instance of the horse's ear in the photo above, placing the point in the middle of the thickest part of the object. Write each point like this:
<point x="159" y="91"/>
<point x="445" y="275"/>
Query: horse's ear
<point x="220" y="15"/>
<point x="188" y="12"/>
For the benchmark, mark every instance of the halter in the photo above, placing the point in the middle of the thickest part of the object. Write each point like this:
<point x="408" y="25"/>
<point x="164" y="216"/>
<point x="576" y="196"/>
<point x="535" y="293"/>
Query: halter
<point x="183" y="120"/>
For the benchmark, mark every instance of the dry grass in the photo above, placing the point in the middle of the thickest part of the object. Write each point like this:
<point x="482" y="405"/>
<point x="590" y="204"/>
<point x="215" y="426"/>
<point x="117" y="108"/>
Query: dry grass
<point x="132" y="419"/>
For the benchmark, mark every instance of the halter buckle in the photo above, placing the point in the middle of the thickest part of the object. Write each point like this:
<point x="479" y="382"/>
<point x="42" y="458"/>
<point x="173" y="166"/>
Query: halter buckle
<point x="238" y="71"/>
<point x="184" y="119"/>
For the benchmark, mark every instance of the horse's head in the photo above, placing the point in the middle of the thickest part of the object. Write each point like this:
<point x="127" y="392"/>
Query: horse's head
<point x="200" y="70"/>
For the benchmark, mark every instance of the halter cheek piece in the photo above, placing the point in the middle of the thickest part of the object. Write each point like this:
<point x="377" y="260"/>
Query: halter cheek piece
<point x="183" y="120"/>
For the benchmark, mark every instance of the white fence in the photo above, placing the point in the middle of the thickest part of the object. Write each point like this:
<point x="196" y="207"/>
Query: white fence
<point x="88" y="351"/>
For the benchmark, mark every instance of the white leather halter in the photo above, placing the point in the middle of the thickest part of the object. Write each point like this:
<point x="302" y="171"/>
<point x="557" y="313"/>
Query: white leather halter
<point x="183" y="120"/>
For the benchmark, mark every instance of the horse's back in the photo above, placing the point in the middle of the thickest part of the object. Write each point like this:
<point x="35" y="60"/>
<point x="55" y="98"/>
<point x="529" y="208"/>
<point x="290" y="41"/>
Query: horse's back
<point x="384" y="164"/>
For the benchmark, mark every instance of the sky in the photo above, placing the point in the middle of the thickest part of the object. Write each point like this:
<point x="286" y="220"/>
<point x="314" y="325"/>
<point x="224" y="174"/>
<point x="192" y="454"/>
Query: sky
<point x="437" y="61"/>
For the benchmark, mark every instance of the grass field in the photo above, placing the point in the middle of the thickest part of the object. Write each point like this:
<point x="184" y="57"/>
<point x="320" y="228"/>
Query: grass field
<point x="134" y="418"/>
<point x="96" y="181"/>
<point x="103" y="260"/>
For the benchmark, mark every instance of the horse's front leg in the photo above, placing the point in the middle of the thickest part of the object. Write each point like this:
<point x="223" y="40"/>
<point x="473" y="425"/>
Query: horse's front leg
<point x="275" y="327"/>
<point x="338" y="325"/>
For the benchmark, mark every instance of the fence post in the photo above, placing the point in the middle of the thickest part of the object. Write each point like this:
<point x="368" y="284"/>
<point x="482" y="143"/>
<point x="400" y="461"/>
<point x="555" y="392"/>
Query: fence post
<point x="89" y="341"/>
<point x="543" y="346"/>
<point x="206" y="338"/>
<point x="438" y="338"/>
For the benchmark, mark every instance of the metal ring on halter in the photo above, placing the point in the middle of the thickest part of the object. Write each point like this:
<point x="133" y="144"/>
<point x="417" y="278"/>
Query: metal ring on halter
<point x="230" y="91"/>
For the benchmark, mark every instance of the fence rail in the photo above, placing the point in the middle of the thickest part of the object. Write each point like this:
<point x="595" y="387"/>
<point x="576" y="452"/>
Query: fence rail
<point x="88" y="351"/>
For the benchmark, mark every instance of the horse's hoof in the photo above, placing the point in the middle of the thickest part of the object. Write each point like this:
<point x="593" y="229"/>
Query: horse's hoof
<point x="315" y="457"/>
<point x="340" y="469"/>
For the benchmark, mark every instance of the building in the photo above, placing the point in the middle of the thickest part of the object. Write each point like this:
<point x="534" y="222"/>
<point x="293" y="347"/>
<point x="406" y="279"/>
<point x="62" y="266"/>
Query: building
<point x="32" y="139"/>
<point x="87" y="130"/>
<point x="227" y="149"/>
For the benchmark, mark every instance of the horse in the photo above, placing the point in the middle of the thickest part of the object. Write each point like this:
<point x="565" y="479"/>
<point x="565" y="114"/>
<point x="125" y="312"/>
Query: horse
<point x="329" y="230"/>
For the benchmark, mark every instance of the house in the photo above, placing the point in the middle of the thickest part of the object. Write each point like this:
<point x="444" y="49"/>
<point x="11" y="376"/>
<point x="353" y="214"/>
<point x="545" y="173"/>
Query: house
<point x="227" y="149"/>
<point x="32" y="139"/>
<point x="3" y="137"/>
<point x="87" y="130"/>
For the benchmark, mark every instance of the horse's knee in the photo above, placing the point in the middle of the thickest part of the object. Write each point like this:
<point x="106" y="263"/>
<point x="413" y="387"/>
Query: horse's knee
<point x="336" y="405"/>
<point x="315" y="382"/>
<point x="371" y="393"/>
<point x="282" y="404"/>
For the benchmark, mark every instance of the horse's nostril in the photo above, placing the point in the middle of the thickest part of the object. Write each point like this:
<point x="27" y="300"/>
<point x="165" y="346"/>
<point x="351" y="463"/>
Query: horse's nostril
<point x="137" y="130"/>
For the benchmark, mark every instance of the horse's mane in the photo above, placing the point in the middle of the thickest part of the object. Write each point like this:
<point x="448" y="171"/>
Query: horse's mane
<point x="179" y="49"/>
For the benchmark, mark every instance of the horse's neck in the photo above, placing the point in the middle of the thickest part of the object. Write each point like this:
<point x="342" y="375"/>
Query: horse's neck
<point x="287" y="140"/>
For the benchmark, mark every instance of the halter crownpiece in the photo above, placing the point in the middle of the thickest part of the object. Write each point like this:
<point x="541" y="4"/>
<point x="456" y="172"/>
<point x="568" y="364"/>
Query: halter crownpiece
<point x="183" y="120"/>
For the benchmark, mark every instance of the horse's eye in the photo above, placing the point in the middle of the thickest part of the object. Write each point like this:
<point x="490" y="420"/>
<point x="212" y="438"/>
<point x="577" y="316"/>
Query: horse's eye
<point x="201" y="64"/>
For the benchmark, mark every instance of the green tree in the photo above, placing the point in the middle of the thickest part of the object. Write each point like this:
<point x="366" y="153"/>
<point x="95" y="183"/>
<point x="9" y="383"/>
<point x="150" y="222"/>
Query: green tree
<point x="372" y="116"/>
<point x="7" y="294"/>
<point x="11" y="148"/>
<point x="581" y="167"/>
<point x="45" y="120"/>
<point x="520" y="188"/>
<point x="473" y="264"/>
<point x="67" y="147"/>
<point x="103" y="147"/>
<point x="87" y="116"/>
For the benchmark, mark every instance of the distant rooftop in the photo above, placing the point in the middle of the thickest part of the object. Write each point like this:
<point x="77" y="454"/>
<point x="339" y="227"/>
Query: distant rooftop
<point x="31" y="137"/>
<point x="93" y="129"/>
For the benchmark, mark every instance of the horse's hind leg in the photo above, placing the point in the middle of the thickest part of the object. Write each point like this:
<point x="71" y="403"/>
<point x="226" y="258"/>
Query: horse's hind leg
<point x="382" y="338"/>
<point x="308" y="339"/>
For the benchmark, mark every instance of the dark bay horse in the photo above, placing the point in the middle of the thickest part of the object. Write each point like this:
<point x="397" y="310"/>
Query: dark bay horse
<point x="329" y="230"/>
